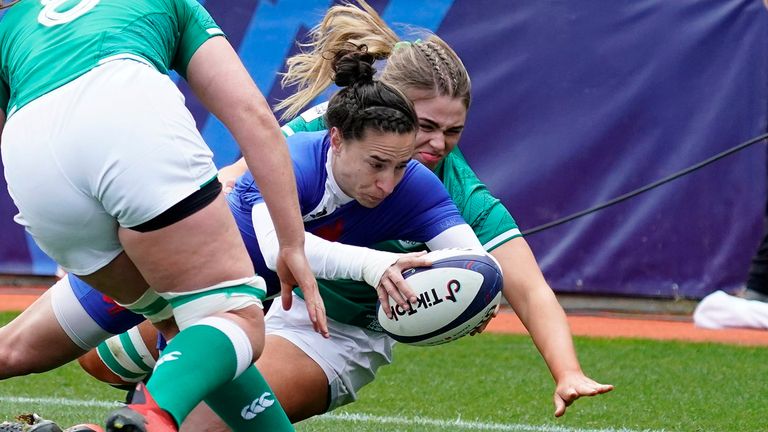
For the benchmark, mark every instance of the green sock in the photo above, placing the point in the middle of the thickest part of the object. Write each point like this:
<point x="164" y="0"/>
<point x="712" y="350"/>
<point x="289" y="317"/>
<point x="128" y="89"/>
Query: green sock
<point x="235" y="403"/>
<point x="198" y="360"/>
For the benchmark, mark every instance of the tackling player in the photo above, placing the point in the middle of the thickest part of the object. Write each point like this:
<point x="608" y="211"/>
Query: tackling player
<point x="114" y="182"/>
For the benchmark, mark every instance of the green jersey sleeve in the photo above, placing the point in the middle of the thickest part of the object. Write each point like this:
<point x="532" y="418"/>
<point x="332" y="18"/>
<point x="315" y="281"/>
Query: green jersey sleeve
<point x="311" y="120"/>
<point x="489" y="219"/>
<point x="195" y="27"/>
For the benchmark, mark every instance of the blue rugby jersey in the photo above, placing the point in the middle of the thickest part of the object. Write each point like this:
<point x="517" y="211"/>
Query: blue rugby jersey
<point x="417" y="210"/>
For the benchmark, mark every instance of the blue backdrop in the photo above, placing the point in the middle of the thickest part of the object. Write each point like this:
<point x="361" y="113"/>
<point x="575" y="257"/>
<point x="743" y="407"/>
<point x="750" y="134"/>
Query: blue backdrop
<point x="574" y="103"/>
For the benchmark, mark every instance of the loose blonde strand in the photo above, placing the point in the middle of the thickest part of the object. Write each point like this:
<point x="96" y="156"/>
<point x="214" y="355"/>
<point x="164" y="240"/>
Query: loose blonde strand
<point x="344" y="28"/>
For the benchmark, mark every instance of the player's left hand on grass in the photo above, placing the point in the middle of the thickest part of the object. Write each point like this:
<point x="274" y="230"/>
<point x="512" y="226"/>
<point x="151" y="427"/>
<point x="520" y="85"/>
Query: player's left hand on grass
<point x="293" y="269"/>
<point x="573" y="386"/>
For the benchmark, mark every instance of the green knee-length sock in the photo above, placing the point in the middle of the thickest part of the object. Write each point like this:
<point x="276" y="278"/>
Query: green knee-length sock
<point x="197" y="361"/>
<point x="235" y="404"/>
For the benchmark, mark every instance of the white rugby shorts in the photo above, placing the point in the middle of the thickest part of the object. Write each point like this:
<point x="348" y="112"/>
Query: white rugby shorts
<point x="114" y="147"/>
<point x="350" y="358"/>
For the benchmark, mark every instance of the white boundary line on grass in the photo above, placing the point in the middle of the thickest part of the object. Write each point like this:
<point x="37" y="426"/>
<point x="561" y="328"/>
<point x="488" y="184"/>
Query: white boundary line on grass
<point x="352" y="417"/>
<point x="60" y="401"/>
<point x="463" y="424"/>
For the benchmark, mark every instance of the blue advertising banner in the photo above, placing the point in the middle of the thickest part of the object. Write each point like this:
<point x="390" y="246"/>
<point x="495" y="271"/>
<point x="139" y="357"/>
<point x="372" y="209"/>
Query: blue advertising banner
<point x="574" y="103"/>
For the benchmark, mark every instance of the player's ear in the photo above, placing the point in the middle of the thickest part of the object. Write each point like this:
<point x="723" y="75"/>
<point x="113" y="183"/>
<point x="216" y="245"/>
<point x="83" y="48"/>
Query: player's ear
<point x="336" y="139"/>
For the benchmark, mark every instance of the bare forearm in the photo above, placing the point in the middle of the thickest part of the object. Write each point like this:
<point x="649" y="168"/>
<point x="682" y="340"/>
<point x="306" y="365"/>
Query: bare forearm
<point x="546" y="322"/>
<point x="530" y="296"/>
<point x="221" y="82"/>
<point x="270" y="164"/>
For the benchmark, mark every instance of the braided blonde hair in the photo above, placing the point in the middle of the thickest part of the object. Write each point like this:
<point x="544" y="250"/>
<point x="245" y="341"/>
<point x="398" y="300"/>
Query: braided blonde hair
<point x="365" y="104"/>
<point x="430" y="65"/>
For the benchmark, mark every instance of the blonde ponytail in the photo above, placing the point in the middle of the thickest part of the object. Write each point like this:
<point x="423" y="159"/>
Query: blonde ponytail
<point x="430" y="65"/>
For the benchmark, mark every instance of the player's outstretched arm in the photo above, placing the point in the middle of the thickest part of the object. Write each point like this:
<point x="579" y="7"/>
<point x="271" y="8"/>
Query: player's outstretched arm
<point x="530" y="296"/>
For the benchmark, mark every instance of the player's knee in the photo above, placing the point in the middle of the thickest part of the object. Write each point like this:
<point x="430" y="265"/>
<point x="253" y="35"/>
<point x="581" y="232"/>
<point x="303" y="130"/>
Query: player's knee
<point x="13" y="360"/>
<point x="251" y="320"/>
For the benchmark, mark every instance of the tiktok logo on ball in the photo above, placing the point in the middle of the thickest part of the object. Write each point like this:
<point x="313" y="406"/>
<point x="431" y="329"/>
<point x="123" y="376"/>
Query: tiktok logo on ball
<point x="428" y="299"/>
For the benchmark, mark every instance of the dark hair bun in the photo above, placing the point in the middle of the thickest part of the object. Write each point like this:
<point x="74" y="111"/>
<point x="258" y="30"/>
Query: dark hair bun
<point x="353" y="67"/>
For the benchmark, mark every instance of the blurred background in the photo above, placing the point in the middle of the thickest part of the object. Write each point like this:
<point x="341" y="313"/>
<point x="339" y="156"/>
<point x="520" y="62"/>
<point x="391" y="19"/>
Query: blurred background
<point x="574" y="103"/>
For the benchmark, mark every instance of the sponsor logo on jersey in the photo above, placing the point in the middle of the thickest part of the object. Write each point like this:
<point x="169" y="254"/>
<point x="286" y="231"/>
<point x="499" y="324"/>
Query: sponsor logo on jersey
<point x="411" y="245"/>
<point x="257" y="406"/>
<point x="319" y="214"/>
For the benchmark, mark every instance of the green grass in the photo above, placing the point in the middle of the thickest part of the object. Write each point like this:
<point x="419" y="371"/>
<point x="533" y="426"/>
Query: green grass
<point x="501" y="382"/>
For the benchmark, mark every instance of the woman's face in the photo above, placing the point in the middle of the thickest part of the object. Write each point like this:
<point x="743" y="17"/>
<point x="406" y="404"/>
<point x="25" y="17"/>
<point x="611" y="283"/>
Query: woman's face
<point x="441" y="121"/>
<point x="369" y="169"/>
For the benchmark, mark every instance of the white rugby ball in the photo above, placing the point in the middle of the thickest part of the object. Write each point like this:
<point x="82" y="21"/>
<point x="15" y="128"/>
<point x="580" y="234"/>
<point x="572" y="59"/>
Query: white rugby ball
<point x="455" y="295"/>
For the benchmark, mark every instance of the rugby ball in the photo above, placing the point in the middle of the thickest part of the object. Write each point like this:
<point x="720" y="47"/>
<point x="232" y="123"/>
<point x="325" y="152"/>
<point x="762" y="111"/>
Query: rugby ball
<point x="459" y="291"/>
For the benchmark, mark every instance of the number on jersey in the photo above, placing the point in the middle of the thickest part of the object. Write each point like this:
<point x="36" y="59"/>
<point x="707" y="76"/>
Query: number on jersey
<point x="50" y="16"/>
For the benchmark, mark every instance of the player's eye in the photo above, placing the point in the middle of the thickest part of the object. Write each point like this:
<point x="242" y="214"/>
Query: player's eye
<point x="426" y="127"/>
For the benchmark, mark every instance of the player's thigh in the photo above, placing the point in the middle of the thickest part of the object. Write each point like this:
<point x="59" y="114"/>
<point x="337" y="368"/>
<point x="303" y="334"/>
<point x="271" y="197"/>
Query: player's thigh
<point x="201" y="250"/>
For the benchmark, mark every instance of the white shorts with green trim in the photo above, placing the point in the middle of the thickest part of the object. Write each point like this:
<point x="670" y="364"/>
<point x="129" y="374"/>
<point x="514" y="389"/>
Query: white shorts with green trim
<point x="114" y="147"/>
<point x="350" y="358"/>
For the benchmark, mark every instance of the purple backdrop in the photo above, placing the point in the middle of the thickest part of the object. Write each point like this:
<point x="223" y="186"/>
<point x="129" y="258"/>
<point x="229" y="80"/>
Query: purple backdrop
<point x="575" y="103"/>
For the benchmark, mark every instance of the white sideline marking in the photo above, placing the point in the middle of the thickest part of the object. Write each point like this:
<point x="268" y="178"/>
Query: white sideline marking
<point x="459" y="423"/>
<point x="351" y="417"/>
<point x="60" y="401"/>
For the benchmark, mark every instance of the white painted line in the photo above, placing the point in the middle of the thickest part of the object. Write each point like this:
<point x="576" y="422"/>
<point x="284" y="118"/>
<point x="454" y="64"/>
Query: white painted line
<point x="60" y="401"/>
<point x="354" y="417"/>
<point x="462" y="424"/>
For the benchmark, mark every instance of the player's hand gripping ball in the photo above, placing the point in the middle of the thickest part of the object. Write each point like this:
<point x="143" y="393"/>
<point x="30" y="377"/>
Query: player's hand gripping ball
<point x="455" y="296"/>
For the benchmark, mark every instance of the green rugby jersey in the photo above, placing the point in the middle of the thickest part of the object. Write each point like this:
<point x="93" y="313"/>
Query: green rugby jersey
<point x="354" y="302"/>
<point x="45" y="44"/>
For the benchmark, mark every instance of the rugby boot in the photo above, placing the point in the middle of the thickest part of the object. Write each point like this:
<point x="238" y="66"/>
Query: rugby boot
<point x="7" y="426"/>
<point x="141" y="415"/>
<point x="45" y="426"/>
